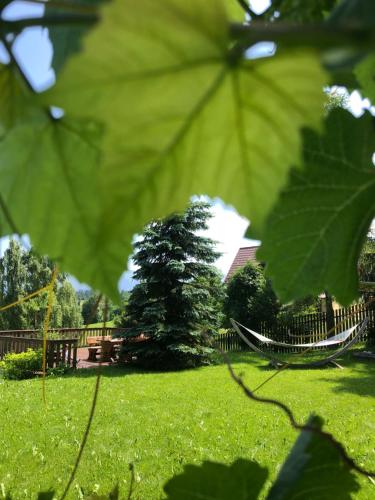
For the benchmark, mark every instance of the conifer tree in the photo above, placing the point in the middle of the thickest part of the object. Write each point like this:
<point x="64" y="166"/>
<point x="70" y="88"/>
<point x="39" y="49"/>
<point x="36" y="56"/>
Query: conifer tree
<point x="175" y="303"/>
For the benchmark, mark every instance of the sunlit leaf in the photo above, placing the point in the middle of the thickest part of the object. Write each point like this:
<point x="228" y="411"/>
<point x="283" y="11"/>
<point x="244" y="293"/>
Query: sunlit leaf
<point x="48" y="171"/>
<point x="185" y="114"/>
<point x="314" y="470"/>
<point x="242" y="480"/>
<point x="316" y="230"/>
<point x="13" y="98"/>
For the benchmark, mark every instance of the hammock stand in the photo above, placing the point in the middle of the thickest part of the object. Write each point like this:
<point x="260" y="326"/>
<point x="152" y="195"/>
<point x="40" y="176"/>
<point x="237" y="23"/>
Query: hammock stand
<point x="278" y="363"/>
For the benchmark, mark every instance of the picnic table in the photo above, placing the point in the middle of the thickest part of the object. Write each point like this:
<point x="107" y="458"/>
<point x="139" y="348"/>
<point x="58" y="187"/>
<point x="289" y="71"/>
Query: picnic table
<point x="106" y="346"/>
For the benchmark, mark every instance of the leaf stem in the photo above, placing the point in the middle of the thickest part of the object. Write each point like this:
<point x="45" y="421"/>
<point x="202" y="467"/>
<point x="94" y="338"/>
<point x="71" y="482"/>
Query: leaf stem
<point x="314" y="35"/>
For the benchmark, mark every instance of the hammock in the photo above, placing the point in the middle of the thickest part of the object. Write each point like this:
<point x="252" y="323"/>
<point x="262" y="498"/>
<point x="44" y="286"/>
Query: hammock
<point x="278" y="363"/>
<point x="336" y="339"/>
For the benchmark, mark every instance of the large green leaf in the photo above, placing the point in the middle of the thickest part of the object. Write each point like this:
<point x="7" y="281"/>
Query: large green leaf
<point x="314" y="470"/>
<point x="241" y="480"/>
<point x="13" y="98"/>
<point x="365" y="73"/>
<point x="184" y="115"/>
<point x="48" y="172"/>
<point x="315" y="232"/>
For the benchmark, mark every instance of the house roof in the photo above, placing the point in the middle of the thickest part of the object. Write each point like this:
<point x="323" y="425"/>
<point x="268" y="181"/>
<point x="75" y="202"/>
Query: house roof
<point x="244" y="255"/>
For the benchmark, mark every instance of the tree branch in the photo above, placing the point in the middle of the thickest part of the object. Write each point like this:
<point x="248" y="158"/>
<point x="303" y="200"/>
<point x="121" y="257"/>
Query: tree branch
<point x="314" y="35"/>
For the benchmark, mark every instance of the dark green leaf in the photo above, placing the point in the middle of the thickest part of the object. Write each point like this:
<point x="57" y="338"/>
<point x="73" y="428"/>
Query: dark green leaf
<point x="316" y="230"/>
<point x="242" y="480"/>
<point x="300" y="10"/>
<point x="67" y="40"/>
<point x="365" y="73"/>
<point x="14" y="101"/>
<point x="354" y="14"/>
<point x="314" y="470"/>
<point x="113" y="495"/>
<point x="48" y="178"/>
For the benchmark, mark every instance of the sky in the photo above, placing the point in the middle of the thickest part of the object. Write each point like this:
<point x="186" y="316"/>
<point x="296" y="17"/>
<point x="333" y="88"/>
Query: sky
<point x="34" y="52"/>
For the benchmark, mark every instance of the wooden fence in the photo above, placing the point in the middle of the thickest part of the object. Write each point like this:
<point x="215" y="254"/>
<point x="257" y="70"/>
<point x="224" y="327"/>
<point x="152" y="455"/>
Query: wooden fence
<point x="304" y="329"/>
<point x="58" y="351"/>
<point x="79" y="334"/>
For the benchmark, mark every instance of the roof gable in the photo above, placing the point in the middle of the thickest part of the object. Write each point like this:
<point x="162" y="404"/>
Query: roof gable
<point x="244" y="255"/>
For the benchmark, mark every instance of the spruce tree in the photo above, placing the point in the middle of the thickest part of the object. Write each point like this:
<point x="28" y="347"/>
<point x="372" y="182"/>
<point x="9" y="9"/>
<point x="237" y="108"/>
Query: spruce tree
<point x="173" y="304"/>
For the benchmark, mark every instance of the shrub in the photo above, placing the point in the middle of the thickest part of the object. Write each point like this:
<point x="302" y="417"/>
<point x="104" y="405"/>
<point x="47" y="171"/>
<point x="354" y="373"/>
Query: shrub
<point x="60" y="370"/>
<point x="22" y="365"/>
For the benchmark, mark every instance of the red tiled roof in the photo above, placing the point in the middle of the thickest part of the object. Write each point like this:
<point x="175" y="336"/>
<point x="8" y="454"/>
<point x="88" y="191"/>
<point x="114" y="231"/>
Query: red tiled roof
<point x="243" y="256"/>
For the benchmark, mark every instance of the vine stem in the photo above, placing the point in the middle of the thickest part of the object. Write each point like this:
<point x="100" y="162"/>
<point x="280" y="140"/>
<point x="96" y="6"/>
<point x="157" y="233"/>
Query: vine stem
<point x="310" y="428"/>
<point x="314" y="35"/>
<point x="93" y="404"/>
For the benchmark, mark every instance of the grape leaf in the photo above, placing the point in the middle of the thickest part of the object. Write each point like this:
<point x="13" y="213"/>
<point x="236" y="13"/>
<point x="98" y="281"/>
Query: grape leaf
<point x="49" y="188"/>
<point x="241" y="480"/>
<point x="184" y="115"/>
<point x="13" y="98"/>
<point x="314" y="470"/>
<point x="66" y="39"/>
<point x="316" y="230"/>
<point x="365" y="73"/>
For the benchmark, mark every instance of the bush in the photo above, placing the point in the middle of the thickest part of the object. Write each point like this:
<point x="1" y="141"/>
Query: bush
<point x="59" y="370"/>
<point x="22" y="365"/>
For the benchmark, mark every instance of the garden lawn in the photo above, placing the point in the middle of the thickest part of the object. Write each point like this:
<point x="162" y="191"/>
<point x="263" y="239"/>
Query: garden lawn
<point x="161" y="421"/>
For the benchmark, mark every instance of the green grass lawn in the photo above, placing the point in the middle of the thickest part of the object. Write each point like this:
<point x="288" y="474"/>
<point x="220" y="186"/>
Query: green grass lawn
<point x="109" y="324"/>
<point x="161" y="421"/>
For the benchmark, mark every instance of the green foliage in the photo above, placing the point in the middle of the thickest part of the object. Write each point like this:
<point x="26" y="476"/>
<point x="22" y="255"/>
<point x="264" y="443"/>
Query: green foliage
<point x="175" y="303"/>
<point x="298" y="308"/>
<point x="306" y="245"/>
<point x="23" y="272"/>
<point x="66" y="39"/>
<point x="242" y="480"/>
<point x="314" y="470"/>
<point x="221" y="95"/>
<point x="365" y="73"/>
<point x="300" y="10"/>
<point x="22" y="365"/>
<point x="250" y="298"/>
<point x="306" y="474"/>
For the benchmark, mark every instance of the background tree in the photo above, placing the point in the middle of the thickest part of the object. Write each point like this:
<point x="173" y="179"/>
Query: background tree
<point x="22" y="272"/>
<point x="250" y="298"/>
<point x="174" y="302"/>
